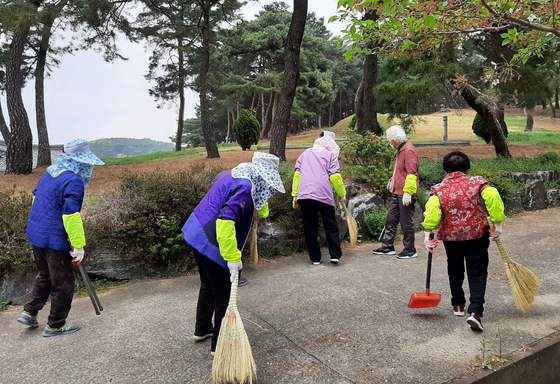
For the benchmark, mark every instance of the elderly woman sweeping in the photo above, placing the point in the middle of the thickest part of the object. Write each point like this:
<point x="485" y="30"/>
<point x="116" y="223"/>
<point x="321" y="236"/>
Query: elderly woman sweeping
<point x="460" y="207"/>
<point x="402" y="186"/>
<point x="217" y="230"/>
<point x="317" y="174"/>
<point x="56" y="232"/>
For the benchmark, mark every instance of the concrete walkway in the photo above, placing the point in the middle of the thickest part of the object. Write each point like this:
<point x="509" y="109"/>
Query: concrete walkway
<point x="325" y="324"/>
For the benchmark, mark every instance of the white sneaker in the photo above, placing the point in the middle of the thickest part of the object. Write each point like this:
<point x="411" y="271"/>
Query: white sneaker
<point x="335" y="261"/>
<point x="316" y="263"/>
<point x="475" y="322"/>
<point x="459" y="310"/>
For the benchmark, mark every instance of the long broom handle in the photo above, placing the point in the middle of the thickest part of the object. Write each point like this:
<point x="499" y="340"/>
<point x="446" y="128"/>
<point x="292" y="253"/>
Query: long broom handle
<point x="89" y="289"/>
<point x="235" y="283"/>
<point x="429" y="271"/>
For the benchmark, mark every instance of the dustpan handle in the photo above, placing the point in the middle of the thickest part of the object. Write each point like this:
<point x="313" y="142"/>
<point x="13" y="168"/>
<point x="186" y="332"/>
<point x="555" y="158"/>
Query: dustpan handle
<point x="429" y="272"/>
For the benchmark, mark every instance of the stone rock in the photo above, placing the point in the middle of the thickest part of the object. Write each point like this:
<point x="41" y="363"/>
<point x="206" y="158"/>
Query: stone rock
<point x="527" y="177"/>
<point x="553" y="197"/>
<point x="362" y="204"/>
<point x="15" y="286"/>
<point x="515" y="203"/>
<point x="534" y="196"/>
<point x="109" y="264"/>
<point x="355" y="189"/>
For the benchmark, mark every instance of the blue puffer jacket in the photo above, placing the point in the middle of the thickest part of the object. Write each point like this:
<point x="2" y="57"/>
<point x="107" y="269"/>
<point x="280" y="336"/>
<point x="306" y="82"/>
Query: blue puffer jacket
<point x="54" y="197"/>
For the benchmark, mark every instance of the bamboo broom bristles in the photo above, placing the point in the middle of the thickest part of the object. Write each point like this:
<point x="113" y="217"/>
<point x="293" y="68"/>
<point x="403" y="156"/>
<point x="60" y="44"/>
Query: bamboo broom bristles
<point x="352" y="226"/>
<point x="524" y="283"/>
<point x="233" y="361"/>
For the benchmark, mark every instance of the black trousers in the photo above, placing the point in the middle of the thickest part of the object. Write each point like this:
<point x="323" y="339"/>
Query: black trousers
<point x="475" y="254"/>
<point x="311" y="209"/>
<point x="399" y="213"/>
<point x="55" y="279"/>
<point x="213" y="297"/>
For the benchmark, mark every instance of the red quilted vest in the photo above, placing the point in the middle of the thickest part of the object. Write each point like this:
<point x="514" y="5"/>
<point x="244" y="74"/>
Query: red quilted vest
<point x="463" y="211"/>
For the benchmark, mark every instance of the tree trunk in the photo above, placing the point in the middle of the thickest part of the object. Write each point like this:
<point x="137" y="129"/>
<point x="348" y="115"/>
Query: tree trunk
<point x="4" y="130"/>
<point x="263" y="111"/>
<point x="44" y="154"/>
<point x="553" y="110"/>
<point x="268" y="116"/>
<point x="181" y="90"/>
<point x="19" y="155"/>
<point x="209" y="139"/>
<point x="228" y="126"/>
<point x="556" y="99"/>
<point x="489" y="113"/>
<point x="366" y="106"/>
<point x="529" y="116"/>
<point x="283" y="111"/>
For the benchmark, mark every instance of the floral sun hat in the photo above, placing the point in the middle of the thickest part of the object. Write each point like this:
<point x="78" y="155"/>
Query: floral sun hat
<point x="78" y="150"/>
<point x="262" y="171"/>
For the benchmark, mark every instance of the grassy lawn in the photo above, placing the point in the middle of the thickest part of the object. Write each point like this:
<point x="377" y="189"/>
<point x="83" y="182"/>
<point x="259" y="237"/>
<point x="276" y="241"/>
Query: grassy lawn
<point x="537" y="137"/>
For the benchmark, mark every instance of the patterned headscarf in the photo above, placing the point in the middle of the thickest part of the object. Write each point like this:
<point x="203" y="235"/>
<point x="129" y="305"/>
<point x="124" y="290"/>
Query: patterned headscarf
<point x="77" y="158"/>
<point x="66" y="163"/>
<point x="327" y="142"/>
<point x="263" y="174"/>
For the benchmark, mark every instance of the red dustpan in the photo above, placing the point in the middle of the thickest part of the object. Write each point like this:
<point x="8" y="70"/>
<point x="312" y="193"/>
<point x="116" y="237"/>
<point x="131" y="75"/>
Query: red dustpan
<point x="425" y="299"/>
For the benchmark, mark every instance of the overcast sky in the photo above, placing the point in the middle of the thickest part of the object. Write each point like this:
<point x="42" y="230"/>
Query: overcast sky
<point x="87" y="97"/>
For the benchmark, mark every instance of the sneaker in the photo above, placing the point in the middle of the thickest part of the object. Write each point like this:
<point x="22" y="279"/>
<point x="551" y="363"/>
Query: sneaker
<point x="243" y="281"/>
<point x="475" y="322"/>
<point x="384" y="250"/>
<point x="459" y="310"/>
<point x="212" y="353"/>
<point x="28" y="320"/>
<point x="407" y="254"/>
<point x="199" y="338"/>
<point x="335" y="261"/>
<point x="316" y="263"/>
<point x="62" y="331"/>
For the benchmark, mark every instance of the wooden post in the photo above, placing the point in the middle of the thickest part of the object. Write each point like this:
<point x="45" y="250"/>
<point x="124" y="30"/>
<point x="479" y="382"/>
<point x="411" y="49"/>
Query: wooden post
<point x="444" y="118"/>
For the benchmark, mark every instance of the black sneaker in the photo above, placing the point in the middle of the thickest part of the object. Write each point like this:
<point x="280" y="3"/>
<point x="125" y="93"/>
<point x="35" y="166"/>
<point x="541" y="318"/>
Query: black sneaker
<point x="407" y="254"/>
<point x="384" y="250"/>
<point x="475" y="322"/>
<point x="202" y="337"/>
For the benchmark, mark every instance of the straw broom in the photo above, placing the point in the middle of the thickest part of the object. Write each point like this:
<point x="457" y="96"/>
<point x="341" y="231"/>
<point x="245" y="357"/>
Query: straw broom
<point x="524" y="283"/>
<point x="352" y="225"/>
<point x="233" y="360"/>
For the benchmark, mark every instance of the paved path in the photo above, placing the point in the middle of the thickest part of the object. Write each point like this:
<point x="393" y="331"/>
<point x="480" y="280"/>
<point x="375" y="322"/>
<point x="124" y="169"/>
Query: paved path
<point x="327" y="324"/>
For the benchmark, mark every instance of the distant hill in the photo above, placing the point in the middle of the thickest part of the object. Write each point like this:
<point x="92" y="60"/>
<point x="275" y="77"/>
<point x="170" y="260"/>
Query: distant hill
<point x="122" y="147"/>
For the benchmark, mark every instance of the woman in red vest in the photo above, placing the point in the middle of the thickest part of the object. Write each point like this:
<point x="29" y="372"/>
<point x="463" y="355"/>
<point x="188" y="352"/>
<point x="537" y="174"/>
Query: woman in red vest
<point x="461" y="206"/>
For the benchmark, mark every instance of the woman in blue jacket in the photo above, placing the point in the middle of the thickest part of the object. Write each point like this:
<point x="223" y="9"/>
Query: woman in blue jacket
<point x="56" y="232"/>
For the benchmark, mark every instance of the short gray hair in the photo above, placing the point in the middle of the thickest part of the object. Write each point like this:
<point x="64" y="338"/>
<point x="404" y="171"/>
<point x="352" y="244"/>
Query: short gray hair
<point x="396" y="133"/>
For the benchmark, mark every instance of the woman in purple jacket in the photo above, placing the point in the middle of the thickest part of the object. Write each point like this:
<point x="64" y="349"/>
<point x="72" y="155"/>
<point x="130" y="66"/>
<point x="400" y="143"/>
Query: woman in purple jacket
<point x="217" y="230"/>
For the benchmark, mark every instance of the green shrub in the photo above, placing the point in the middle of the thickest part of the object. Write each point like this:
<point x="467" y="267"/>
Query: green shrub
<point x="146" y="215"/>
<point x="3" y="304"/>
<point x="368" y="159"/>
<point x="247" y="129"/>
<point x="352" y="123"/>
<point x="374" y="223"/>
<point x="482" y="130"/>
<point x="15" y="252"/>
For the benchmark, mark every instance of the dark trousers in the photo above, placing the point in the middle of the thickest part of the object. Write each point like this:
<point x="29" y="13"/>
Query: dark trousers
<point x="311" y="209"/>
<point x="213" y="297"/>
<point x="55" y="279"/>
<point x="399" y="213"/>
<point x="475" y="254"/>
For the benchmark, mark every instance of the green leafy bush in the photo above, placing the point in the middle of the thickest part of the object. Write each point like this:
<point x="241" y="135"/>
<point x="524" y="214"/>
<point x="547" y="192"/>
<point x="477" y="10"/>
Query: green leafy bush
<point x="368" y="159"/>
<point x="374" y="223"/>
<point x="352" y="123"/>
<point x="481" y="129"/>
<point x="146" y="215"/>
<point x="247" y="129"/>
<point x="15" y="252"/>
